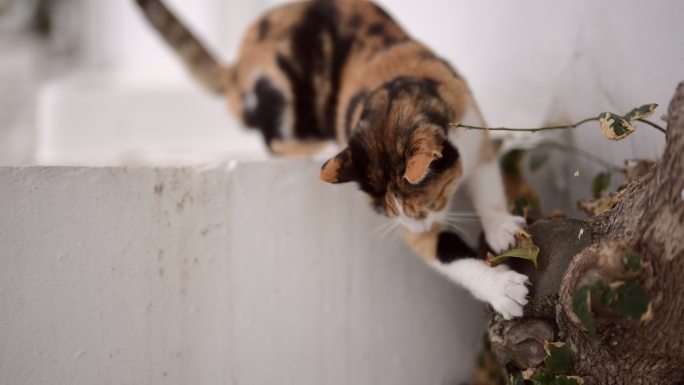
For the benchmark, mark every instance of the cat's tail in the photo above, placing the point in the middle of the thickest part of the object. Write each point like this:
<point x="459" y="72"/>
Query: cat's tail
<point x="196" y="57"/>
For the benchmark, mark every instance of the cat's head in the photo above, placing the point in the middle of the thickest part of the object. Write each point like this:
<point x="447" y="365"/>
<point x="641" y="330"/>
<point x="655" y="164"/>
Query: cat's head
<point x="400" y="156"/>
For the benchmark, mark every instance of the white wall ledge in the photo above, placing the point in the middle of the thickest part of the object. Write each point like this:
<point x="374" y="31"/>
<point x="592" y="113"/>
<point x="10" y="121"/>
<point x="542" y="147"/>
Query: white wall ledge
<point x="250" y="273"/>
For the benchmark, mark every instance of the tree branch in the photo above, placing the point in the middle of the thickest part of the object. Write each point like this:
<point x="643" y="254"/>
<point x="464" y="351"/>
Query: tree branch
<point x="649" y="220"/>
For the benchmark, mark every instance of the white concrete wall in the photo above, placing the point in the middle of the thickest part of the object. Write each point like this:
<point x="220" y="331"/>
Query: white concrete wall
<point x="252" y="273"/>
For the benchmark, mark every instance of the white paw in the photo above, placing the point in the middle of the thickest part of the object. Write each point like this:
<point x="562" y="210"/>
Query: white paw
<point x="500" y="231"/>
<point x="506" y="291"/>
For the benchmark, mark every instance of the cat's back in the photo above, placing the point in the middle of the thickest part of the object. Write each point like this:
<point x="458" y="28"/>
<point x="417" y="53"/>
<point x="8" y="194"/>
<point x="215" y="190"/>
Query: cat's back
<point x="297" y="53"/>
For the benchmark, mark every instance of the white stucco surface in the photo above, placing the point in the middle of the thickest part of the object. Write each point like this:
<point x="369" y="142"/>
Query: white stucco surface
<point x="251" y="273"/>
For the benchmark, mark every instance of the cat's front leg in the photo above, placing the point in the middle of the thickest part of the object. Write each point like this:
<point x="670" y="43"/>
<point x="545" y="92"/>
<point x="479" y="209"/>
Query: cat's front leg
<point x="484" y="183"/>
<point x="501" y="287"/>
<point x="486" y="190"/>
<point x="504" y="289"/>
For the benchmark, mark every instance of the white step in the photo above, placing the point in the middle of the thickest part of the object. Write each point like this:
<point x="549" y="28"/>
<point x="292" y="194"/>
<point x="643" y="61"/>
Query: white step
<point x="243" y="273"/>
<point x="116" y="119"/>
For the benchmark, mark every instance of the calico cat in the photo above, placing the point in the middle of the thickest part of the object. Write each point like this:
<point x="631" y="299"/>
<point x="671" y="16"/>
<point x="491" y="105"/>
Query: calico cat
<point x="315" y="72"/>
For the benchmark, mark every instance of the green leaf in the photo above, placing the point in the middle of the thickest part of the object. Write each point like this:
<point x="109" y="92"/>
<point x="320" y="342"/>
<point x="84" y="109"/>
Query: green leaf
<point x="510" y="162"/>
<point x="608" y="298"/>
<point x="641" y="112"/>
<point x="526" y="250"/>
<point x="528" y="253"/>
<point x="542" y="379"/>
<point x="600" y="184"/>
<point x="633" y="262"/>
<point x="598" y="286"/>
<point x="615" y="127"/>
<point x="519" y="206"/>
<point x="563" y="380"/>
<point x="560" y="358"/>
<point x="632" y="300"/>
<point x="539" y="158"/>
<point x="581" y="306"/>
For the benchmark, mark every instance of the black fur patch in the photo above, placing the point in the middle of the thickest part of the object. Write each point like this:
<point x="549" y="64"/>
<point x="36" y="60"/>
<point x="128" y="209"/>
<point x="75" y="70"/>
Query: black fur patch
<point x="234" y="76"/>
<point x="342" y="46"/>
<point x="264" y="27"/>
<point x="306" y="120"/>
<point x="437" y="118"/>
<point x="354" y="102"/>
<point x="360" y="162"/>
<point x="450" y="247"/>
<point x="387" y="43"/>
<point x="346" y="171"/>
<point x="402" y="85"/>
<point x="376" y="29"/>
<point x="268" y="113"/>
<point x="355" y="21"/>
<point x="448" y="160"/>
<point x="390" y="41"/>
<point x="308" y="61"/>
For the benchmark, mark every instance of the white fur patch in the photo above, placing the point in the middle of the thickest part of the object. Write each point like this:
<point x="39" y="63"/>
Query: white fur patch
<point x="504" y="289"/>
<point x="468" y="142"/>
<point x="417" y="226"/>
<point x="486" y="190"/>
<point x="500" y="231"/>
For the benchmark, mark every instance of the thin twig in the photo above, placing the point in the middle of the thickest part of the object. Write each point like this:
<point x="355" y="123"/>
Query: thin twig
<point x="650" y="123"/>
<point x="524" y="129"/>
<point x="575" y="125"/>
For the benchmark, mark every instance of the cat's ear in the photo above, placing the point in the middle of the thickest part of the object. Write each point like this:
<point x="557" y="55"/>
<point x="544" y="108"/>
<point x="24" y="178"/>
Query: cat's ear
<point x="426" y="146"/>
<point x="339" y="168"/>
<point x="418" y="166"/>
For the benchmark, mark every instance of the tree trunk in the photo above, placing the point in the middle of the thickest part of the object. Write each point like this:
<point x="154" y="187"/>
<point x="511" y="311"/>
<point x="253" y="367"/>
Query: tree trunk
<point x="648" y="220"/>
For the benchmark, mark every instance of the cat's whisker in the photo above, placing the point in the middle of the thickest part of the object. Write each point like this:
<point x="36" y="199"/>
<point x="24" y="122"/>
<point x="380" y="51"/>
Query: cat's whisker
<point x="388" y="228"/>
<point x="392" y="233"/>
<point x="382" y="227"/>
<point x="460" y="223"/>
<point x="462" y="215"/>
<point x="469" y="221"/>
<point x="460" y="231"/>
<point x="462" y="212"/>
<point x="472" y="220"/>
<point x="456" y="226"/>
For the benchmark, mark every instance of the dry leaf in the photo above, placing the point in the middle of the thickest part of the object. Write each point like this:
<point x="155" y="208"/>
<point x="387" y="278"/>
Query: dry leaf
<point x="526" y="249"/>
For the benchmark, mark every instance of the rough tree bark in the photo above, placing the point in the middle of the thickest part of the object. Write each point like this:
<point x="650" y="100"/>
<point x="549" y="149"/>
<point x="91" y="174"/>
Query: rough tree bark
<point x="648" y="220"/>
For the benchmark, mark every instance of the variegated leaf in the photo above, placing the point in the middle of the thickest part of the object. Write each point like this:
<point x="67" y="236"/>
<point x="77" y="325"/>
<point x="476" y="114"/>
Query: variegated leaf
<point x="641" y="112"/>
<point x="615" y="127"/>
